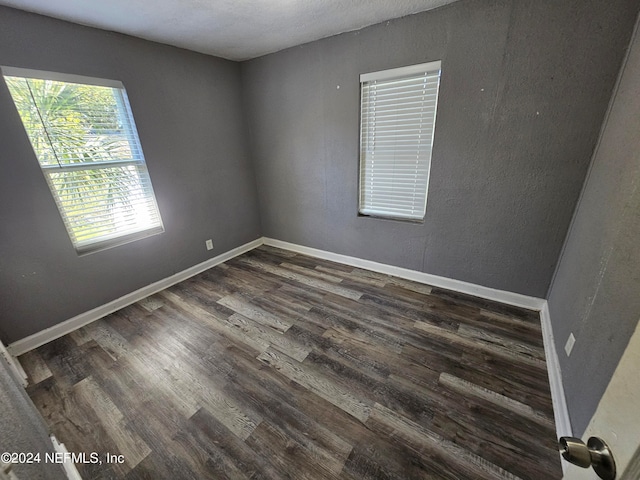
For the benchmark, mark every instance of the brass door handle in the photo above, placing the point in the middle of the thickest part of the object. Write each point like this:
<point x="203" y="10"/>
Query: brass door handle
<point x="595" y="453"/>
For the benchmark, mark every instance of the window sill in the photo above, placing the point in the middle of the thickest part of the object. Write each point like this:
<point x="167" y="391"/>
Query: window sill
<point x="95" y="247"/>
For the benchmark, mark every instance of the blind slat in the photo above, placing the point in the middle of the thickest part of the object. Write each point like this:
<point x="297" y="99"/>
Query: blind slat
<point x="395" y="202"/>
<point x="421" y="95"/>
<point x="380" y="109"/>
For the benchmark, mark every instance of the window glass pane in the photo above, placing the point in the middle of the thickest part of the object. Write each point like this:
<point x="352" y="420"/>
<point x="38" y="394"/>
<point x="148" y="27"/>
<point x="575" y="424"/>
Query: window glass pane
<point x="85" y="140"/>
<point x="104" y="201"/>
<point x="71" y="123"/>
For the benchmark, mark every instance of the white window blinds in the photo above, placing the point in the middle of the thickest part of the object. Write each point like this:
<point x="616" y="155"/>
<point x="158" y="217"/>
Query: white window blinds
<point x="397" y="120"/>
<point x="86" y="142"/>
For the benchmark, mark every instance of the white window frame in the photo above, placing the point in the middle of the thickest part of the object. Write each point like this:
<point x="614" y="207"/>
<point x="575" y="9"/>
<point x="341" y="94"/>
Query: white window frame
<point x="112" y="239"/>
<point x="393" y="186"/>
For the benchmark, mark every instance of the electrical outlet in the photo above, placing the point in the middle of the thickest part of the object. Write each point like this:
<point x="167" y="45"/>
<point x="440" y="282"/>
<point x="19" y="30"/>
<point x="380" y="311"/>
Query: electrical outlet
<point x="569" y="345"/>
<point x="209" y="244"/>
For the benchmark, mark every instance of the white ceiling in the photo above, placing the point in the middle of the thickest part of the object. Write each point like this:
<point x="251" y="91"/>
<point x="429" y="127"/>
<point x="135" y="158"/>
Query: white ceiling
<point x="233" y="29"/>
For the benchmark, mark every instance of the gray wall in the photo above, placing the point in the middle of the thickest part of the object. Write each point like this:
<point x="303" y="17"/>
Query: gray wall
<point x="23" y="429"/>
<point x="188" y="111"/>
<point x="596" y="290"/>
<point x="525" y="85"/>
<point x="524" y="89"/>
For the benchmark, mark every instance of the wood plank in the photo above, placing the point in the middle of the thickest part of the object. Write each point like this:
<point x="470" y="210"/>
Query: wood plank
<point x="245" y="308"/>
<point x="365" y="355"/>
<point x="145" y="368"/>
<point x="80" y="336"/>
<point x="444" y="307"/>
<point x="247" y="283"/>
<point x="381" y="323"/>
<point x="396" y="283"/>
<point x="35" y="367"/>
<point x="192" y="384"/>
<point x="212" y="435"/>
<point x="496" y="374"/>
<point x="368" y="389"/>
<point x="290" y="458"/>
<point x="281" y="307"/>
<point x="492" y="349"/>
<point x="269" y="336"/>
<point x="311" y="273"/>
<point x="219" y="325"/>
<point x="277" y="405"/>
<point x="491" y="435"/>
<point x="206" y="460"/>
<point x="390" y="322"/>
<point x="279" y="252"/>
<point x="448" y="453"/>
<point x="502" y="376"/>
<point x="346" y="274"/>
<point x="357" y="328"/>
<point x="160" y="466"/>
<point x="491" y="305"/>
<point x="279" y="408"/>
<point x="109" y="339"/>
<point x="79" y="426"/>
<point x="151" y="303"/>
<point x="67" y="364"/>
<point x="305" y="280"/>
<point x="469" y="389"/>
<point x="315" y="382"/>
<point x="277" y="365"/>
<point x="294" y="293"/>
<point x="128" y="442"/>
<point x="519" y="348"/>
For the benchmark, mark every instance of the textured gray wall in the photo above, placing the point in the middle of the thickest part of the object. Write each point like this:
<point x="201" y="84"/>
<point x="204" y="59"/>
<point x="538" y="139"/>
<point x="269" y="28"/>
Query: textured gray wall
<point x="525" y="85"/>
<point x="188" y="111"/>
<point x="23" y="430"/>
<point x="524" y="89"/>
<point x="596" y="290"/>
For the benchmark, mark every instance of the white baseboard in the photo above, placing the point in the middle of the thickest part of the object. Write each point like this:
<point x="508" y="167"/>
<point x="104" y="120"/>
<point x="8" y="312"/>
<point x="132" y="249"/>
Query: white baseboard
<point x="561" y="414"/>
<point x="69" y="467"/>
<point x="560" y="410"/>
<point x="15" y="365"/>
<point x="503" y="296"/>
<point x="44" y="336"/>
<point x="563" y="425"/>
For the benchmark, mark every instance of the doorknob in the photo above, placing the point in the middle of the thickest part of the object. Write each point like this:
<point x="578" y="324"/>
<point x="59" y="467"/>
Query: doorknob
<point x="594" y="454"/>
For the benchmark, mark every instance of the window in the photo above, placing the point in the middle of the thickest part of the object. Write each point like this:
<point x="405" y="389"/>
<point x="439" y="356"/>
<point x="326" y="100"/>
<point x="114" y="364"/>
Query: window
<point x="397" y="120"/>
<point x="83" y="134"/>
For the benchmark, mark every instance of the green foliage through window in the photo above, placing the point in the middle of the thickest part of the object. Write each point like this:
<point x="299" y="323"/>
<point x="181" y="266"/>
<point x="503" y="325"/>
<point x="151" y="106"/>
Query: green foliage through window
<point x="87" y="145"/>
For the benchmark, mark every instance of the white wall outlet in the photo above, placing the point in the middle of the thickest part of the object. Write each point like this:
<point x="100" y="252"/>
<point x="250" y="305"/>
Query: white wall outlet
<point x="209" y="244"/>
<point x="569" y="345"/>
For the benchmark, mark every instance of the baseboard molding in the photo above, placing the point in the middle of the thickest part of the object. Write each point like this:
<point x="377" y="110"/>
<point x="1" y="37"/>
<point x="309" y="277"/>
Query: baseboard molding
<point x="15" y="365"/>
<point x="40" y="338"/>
<point x="563" y="424"/>
<point x="561" y="414"/>
<point x="503" y="296"/>
<point x="69" y="467"/>
<point x="560" y="410"/>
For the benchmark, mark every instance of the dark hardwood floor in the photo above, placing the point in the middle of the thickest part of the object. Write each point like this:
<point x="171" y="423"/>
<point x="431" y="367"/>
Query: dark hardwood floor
<point x="277" y="365"/>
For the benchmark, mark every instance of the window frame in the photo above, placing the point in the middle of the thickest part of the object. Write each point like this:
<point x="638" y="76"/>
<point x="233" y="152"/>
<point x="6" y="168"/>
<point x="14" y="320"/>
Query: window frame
<point x="138" y="164"/>
<point x="401" y="73"/>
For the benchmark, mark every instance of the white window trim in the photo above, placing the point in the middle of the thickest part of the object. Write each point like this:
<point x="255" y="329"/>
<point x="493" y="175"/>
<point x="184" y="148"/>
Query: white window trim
<point x="59" y="77"/>
<point x="104" y="241"/>
<point x="401" y="71"/>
